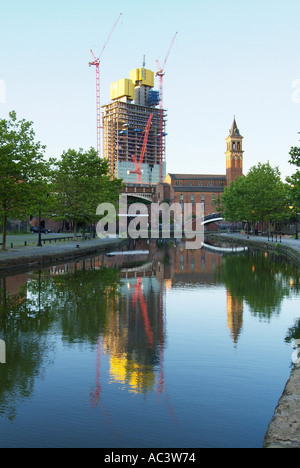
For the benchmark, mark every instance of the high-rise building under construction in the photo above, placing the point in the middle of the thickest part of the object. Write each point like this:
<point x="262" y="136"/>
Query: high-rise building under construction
<point x="134" y="130"/>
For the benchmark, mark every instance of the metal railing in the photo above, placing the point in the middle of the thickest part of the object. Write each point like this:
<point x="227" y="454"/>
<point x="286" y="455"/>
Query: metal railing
<point x="53" y="239"/>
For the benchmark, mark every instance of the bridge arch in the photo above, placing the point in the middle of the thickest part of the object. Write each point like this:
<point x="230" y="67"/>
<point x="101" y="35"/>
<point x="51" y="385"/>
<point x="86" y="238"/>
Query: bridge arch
<point x="142" y="195"/>
<point x="212" y="218"/>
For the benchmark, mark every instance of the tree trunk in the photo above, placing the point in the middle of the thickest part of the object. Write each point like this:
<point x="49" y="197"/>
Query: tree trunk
<point x="4" y="298"/>
<point x="75" y="230"/>
<point x="4" y="232"/>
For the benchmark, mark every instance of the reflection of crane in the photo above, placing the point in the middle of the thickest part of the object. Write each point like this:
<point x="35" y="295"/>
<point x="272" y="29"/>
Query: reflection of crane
<point x="95" y="396"/>
<point x="160" y="388"/>
<point x="96" y="63"/>
<point x="138" y="295"/>
<point x="138" y="165"/>
<point x="160" y="73"/>
<point x="161" y="381"/>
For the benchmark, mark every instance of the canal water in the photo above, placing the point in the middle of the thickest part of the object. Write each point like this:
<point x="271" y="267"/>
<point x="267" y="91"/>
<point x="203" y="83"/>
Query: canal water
<point x="161" y="347"/>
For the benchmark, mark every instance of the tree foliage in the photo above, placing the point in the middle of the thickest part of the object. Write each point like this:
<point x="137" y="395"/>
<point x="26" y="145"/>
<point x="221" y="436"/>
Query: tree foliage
<point x="294" y="180"/>
<point x="23" y="171"/>
<point x="295" y="156"/>
<point x="259" y="196"/>
<point x="81" y="182"/>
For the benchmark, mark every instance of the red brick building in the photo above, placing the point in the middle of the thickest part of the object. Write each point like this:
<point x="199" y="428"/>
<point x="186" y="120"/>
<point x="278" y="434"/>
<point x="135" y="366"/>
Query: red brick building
<point x="205" y="188"/>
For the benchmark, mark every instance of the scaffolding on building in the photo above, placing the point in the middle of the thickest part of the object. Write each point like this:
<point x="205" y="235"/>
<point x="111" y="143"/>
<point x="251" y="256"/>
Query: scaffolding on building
<point x="124" y="124"/>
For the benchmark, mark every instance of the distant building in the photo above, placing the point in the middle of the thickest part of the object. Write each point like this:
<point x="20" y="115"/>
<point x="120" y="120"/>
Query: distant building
<point x="124" y="122"/>
<point x="205" y="188"/>
<point x="234" y="154"/>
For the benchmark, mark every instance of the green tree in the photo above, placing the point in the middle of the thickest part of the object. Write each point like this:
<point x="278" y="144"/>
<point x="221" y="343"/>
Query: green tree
<point x="268" y="193"/>
<point x="294" y="180"/>
<point x="81" y="181"/>
<point x="235" y="201"/>
<point x="295" y="156"/>
<point x="23" y="171"/>
<point x="259" y="196"/>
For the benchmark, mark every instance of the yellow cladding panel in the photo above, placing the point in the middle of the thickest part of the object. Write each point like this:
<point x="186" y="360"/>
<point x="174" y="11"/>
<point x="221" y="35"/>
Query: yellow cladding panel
<point x="146" y="77"/>
<point x="134" y="75"/>
<point x="122" y="88"/>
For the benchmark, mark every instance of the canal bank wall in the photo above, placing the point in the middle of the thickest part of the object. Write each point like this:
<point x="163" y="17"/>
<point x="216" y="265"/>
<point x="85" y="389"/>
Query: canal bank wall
<point x="29" y="257"/>
<point x="284" y="428"/>
<point x="289" y="248"/>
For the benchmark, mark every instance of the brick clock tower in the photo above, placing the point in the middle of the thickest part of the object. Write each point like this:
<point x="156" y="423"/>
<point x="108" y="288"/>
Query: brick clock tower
<point x="234" y="154"/>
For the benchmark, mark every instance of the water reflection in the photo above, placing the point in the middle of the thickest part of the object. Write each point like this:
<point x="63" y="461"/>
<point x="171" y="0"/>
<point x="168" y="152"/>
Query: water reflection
<point x="116" y="304"/>
<point x="260" y="280"/>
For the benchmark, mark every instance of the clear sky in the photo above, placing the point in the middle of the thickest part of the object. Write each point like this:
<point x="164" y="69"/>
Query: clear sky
<point x="230" y="58"/>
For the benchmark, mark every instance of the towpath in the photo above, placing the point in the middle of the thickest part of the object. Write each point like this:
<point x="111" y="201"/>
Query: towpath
<point x="30" y="255"/>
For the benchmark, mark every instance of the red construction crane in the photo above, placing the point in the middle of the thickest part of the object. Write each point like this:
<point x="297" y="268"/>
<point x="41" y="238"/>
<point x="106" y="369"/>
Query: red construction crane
<point x="160" y="73"/>
<point x="138" y="164"/>
<point x="96" y="63"/>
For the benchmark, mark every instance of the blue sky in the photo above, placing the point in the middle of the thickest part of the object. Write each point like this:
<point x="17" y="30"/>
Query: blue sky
<point x="229" y="58"/>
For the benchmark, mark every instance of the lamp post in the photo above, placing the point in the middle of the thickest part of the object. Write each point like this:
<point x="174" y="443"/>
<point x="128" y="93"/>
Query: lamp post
<point x="291" y="207"/>
<point x="39" y="244"/>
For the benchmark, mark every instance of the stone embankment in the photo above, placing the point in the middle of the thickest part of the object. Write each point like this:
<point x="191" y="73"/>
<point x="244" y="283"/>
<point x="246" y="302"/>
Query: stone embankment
<point x="284" y="428"/>
<point x="287" y="247"/>
<point x="23" y="257"/>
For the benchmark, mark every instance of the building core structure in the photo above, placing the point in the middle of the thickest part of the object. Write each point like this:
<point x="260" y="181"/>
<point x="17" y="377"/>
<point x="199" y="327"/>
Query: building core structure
<point x="134" y="155"/>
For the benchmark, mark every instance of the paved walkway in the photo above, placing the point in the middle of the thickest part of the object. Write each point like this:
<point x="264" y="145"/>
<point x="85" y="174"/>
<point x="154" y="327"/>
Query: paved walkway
<point x="286" y="244"/>
<point x="284" y="240"/>
<point x="31" y="255"/>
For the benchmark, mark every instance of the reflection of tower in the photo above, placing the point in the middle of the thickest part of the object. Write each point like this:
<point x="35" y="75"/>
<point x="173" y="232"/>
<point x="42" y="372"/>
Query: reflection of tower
<point x="133" y="338"/>
<point x="132" y="333"/>
<point x="95" y="396"/>
<point x="235" y="309"/>
<point x="111" y="301"/>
